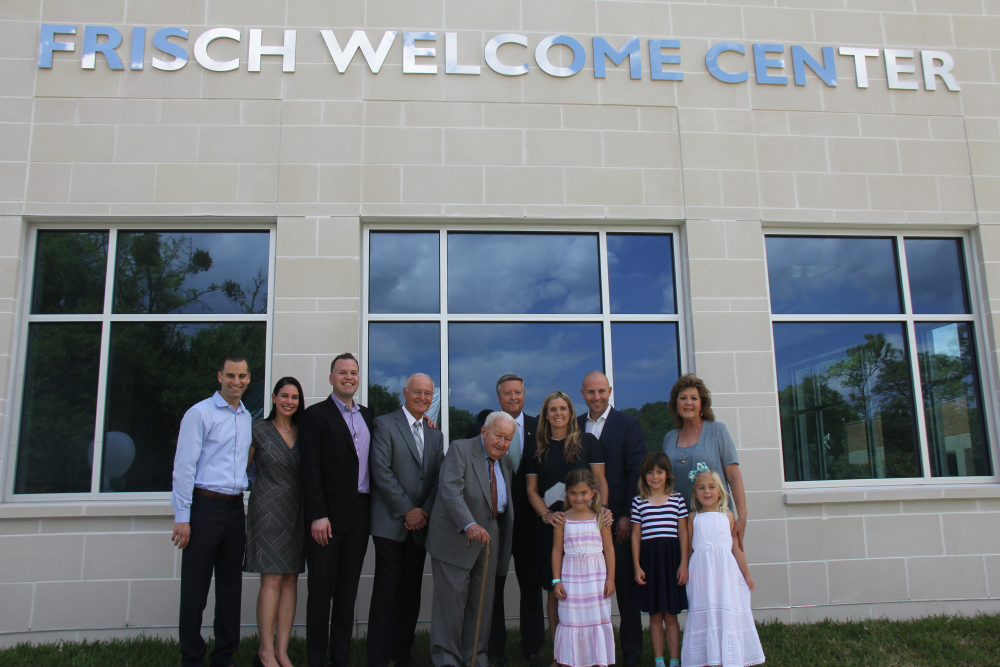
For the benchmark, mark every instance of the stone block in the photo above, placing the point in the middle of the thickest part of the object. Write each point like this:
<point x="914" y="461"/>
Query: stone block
<point x="761" y="468"/>
<point x="662" y="187"/>
<point x="808" y="583"/>
<point x="40" y="557"/>
<point x="127" y="556"/>
<point x="702" y="187"/>
<point x="488" y="147"/>
<point x="770" y="585"/>
<point x="603" y="186"/>
<point x="868" y="580"/>
<point x="439" y="184"/>
<point x="822" y="124"/>
<point x="826" y="539"/>
<point x="779" y="153"/>
<point x="154" y="13"/>
<point x="442" y="114"/>
<point x="903" y="535"/>
<point x="321" y="334"/>
<point x="993" y="575"/>
<point x="707" y="21"/>
<point x="15" y="612"/>
<point x="324" y="145"/>
<point x="522" y="115"/>
<point x="765" y="541"/>
<point x="975" y="31"/>
<point x="641" y="149"/>
<point x="340" y="183"/>
<point x="196" y="182"/>
<point x="390" y="145"/>
<point x="243" y="143"/>
<point x="73" y="143"/>
<point x="916" y="30"/>
<point x="563" y="148"/>
<point x="739" y="188"/>
<point x="836" y="191"/>
<point x="342" y="277"/>
<point x="973" y="533"/>
<point x="12" y="179"/>
<point x="258" y="183"/>
<point x="956" y="193"/>
<point x="947" y="577"/>
<point x="381" y="183"/>
<point x="721" y="278"/>
<point x="718" y="151"/>
<point x="863" y="156"/>
<point x="779" y="25"/>
<point x="298" y="182"/>
<point x="908" y="193"/>
<point x="57" y="605"/>
<point x="113" y="182"/>
<point x="527" y="185"/>
<point x="156" y="603"/>
<point x="985" y="157"/>
<point x="701" y="91"/>
<point x="497" y="17"/>
<point x="776" y="189"/>
<point x="718" y="370"/>
<point x="560" y="16"/>
<point x="840" y="27"/>
<point x="313" y="13"/>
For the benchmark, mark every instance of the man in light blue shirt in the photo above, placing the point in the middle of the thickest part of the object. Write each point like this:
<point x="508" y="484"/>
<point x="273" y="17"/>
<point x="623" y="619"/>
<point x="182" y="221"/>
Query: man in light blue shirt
<point x="210" y="476"/>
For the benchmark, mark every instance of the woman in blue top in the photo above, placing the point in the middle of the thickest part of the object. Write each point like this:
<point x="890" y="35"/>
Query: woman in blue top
<point x="700" y="440"/>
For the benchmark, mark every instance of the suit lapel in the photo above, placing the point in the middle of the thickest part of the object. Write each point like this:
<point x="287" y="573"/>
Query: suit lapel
<point x="480" y="465"/>
<point x="609" y="425"/>
<point x="403" y="424"/>
<point x="338" y="418"/>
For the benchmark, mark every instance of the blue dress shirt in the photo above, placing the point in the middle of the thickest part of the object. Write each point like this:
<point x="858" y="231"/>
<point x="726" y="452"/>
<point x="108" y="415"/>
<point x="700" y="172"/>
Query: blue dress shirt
<point x="212" y="449"/>
<point x="495" y="469"/>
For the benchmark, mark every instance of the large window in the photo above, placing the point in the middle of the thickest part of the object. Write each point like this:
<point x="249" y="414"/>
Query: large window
<point x="467" y="306"/>
<point x="877" y="361"/>
<point x="123" y="333"/>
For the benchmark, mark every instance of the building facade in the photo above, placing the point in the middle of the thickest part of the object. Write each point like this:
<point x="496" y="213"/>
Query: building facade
<point x="798" y="200"/>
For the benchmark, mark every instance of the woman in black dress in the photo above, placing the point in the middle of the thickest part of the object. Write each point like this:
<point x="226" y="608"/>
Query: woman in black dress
<point x="275" y="522"/>
<point x="561" y="446"/>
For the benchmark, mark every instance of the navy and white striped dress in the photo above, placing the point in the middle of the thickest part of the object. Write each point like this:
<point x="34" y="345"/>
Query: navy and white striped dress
<point x="660" y="554"/>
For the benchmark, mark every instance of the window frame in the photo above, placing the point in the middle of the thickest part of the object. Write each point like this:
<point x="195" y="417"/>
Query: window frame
<point x="605" y="317"/>
<point x="25" y="318"/>
<point x="987" y="379"/>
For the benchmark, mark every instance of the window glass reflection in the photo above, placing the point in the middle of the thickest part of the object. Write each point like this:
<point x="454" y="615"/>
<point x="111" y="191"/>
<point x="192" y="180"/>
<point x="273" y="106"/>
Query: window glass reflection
<point x="952" y="404"/>
<point x="641" y="273"/>
<point x="846" y="401"/>
<point x="70" y="272"/>
<point x="404" y="273"/>
<point x="832" y="275"/>
<point x="396" y="351"/>
<point x="191" y="272"/>
<point x="157" y="371"/>
<point x="549" y="356"/>
<point x="937" y="276"/>
<point x="646" y="365"/>
<point x="523" y="273"/>
<point x="59" y="406"/>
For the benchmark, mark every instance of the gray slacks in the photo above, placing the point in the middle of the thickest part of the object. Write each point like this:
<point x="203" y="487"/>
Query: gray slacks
<point x="456" y="604"/>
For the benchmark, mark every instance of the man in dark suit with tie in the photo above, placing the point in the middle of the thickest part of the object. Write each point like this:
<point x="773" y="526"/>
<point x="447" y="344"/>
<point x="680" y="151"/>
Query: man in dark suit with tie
<point x="624" y="448"/>
<point x="405" y="461"/>
<point x="334" y="439"/>
<point x="510" y="394"/>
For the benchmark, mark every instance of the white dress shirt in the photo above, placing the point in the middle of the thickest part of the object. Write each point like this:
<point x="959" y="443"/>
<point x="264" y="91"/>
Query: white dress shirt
<point x="596" y="426"/>
<point x="212" y="449"/>
<point x="491" y="470"/>
<point x="419" y="421"/>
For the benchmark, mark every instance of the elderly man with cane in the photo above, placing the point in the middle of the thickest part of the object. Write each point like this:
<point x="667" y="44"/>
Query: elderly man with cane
<point x="469" y="540"/>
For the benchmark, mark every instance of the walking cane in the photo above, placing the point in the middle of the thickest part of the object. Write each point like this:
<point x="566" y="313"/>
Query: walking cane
<point x="482" y="596"/>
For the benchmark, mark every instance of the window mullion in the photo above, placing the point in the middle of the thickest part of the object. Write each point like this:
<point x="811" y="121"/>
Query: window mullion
<point x="102" y="373"/>
<point x="602" y="257"/>
<point x="918" y="400"/>
<point x="443" y="324"/>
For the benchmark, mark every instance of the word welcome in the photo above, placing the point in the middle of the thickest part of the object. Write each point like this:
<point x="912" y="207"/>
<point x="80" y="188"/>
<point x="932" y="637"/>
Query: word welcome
<point x="172" y="56"/>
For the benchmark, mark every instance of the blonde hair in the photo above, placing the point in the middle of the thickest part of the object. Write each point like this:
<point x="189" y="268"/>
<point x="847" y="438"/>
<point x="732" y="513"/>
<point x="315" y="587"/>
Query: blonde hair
<point x="722" y="505"/>
<point x="572" y="444"/>
<point x="650" y="462"/>
<point x="584" y="476"/>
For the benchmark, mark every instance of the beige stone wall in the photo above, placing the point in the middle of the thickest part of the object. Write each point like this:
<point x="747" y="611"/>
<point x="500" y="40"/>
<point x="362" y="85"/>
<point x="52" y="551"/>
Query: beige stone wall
<point x="321" y="153"/>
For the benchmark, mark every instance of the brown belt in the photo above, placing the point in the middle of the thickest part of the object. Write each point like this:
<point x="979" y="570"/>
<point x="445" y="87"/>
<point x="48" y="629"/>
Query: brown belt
<point x="217" y="495"/>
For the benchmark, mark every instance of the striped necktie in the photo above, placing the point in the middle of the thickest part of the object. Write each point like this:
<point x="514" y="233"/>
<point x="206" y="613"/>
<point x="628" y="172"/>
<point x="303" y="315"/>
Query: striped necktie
<point x="515" y="448"/>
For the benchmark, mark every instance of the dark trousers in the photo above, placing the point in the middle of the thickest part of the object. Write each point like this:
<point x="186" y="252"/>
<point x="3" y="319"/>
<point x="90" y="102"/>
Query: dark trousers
<point x="630" y="628"/>
<point x="395" y="603"/>
<point x="218" y="539"/>
<point x="334" y="573"/>
<point x="531" y="609"/>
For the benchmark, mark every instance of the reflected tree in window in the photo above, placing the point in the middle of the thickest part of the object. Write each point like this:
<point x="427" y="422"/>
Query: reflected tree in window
<point x="655" y="420"/>
<point x="382" y="400"/>
<point x="70" y="272"/>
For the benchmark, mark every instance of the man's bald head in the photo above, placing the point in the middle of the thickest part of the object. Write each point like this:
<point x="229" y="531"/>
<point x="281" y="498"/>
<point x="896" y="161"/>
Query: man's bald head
<point x="596" y="392"/>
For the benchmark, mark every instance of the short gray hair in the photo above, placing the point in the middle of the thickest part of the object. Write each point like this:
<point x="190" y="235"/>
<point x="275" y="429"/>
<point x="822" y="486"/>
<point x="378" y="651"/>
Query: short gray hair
<point x="503" y="417"/>
<point x="507" y="377"/>
<point x="419" y="375"/>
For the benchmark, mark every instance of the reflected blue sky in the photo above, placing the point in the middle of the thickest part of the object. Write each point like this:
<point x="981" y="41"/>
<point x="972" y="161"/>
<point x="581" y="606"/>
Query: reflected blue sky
<point x="646" y="362"/>
<point x="640" y="273"/>
<point x="404" y="272"/>
<point x="832" y="275"/>
<point x="523" y="273"/>
<point x="937" y="276"/>
<point x="396" y="350"/>
<point x="549" y="356"/>
<point x="238" y="256"/>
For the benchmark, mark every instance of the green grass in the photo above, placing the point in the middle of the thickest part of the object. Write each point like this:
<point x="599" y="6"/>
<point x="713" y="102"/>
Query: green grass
<point x="930" y="642"/>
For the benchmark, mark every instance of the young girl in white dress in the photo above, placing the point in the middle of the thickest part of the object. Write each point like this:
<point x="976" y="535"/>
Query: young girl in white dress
<point x="583" y="570"/>
<point x="719" y="630"/>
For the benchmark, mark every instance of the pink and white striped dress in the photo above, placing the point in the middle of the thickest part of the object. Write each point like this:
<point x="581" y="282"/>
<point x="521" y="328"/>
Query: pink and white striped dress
<point x="584" y="637"/>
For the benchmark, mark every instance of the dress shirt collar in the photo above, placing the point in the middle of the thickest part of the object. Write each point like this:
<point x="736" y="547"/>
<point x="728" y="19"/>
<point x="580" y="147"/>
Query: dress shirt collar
<point x="343" y="406"/>
<point x="411" y="420"/>
<point x="520" y="420"/>
<point x="602" y="418"/>
<point x="222" y="403"/>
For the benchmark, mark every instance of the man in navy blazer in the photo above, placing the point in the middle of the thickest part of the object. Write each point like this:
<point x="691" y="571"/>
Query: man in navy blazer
<point x="624" y="447"/>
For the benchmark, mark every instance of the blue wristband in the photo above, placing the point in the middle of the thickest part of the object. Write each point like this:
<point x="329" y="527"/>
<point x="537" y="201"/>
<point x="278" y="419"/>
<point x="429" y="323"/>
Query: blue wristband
<point x="556" y="581"/>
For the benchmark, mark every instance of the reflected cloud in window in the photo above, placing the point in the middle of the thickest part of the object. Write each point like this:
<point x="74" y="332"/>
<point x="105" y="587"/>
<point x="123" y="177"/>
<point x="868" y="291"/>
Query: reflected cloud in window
<point x="846" y="401"/>
<point x="523" y="274"/>
<point x="549" y="356"/>
<point x="396" y="351"/>
<point x="641" y="273"/>
<point x="404" y="272"/>
<point x="937" y="276"/>
<point x="646" y="365"/>
<point x="832" y="275"/>
<point x="191" y="273"/>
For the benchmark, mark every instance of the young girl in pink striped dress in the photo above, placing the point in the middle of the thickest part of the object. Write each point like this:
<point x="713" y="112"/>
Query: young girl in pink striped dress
<point x="583" y="564"/>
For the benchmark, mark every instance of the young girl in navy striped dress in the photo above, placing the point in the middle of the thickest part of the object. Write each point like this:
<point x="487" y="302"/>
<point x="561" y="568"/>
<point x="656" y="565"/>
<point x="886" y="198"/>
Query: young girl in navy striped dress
<point x="660" y="553"/>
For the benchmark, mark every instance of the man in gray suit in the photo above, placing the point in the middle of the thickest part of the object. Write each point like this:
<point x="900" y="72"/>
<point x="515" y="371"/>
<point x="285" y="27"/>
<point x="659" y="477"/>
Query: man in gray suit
<point x="473" y="507"/>
<point x="405" y="461"/>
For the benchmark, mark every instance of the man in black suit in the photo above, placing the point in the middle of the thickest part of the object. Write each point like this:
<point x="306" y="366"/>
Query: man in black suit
<point x="510" y="394"/>
<point x="334" y="439"/>
<point x="624" y="447"/>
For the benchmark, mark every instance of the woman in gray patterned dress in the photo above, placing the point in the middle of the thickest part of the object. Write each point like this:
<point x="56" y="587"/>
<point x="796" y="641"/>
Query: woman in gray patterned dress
<point x="275" y="523"/>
